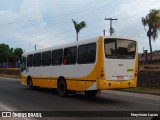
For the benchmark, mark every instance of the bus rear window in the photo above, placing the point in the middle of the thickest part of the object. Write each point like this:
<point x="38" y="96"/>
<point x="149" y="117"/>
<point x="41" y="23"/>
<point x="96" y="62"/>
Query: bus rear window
<point x="120" y="48"/>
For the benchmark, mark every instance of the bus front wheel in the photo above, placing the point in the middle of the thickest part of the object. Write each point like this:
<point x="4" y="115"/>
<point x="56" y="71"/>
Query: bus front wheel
<point x="62" y="88"/>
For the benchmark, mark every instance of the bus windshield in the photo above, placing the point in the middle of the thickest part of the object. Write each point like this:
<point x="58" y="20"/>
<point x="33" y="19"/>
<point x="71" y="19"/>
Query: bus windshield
<point x="119" y="48"/>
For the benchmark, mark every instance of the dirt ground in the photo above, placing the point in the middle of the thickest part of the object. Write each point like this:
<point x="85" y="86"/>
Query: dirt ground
<point x="9" y="71"/>
<point x="149" y="67"/>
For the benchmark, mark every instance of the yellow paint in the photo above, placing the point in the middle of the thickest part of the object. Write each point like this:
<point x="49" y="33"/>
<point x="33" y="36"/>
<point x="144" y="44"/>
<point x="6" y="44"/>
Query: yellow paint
<point x="130" y="70"/>
<point x="95" y="74"/>
<point x="82" y="84"/>
<point x="79" y="85"/>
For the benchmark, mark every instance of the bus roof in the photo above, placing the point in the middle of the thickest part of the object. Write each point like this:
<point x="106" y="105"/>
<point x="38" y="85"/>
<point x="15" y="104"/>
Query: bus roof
<point x="95" y="39"/>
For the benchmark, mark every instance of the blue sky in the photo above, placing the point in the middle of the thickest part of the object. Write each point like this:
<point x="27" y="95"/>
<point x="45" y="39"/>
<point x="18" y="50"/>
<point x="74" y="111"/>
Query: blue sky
<point x="46" y="23"/>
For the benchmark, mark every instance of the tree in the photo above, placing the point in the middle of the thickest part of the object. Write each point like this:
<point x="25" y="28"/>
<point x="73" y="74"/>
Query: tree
<point x="4" y="52"/>
<point x="152" y="20"/>
<point x="18" y="53"/>
<point x="9" y="54"/>
<point x="79" y="26"/>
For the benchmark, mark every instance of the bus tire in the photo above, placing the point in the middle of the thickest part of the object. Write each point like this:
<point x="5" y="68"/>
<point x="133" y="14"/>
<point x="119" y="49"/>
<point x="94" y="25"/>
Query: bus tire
<point x="62" y="88"/>
<point x="91" y="93"/>
<point x="29" y="82"/>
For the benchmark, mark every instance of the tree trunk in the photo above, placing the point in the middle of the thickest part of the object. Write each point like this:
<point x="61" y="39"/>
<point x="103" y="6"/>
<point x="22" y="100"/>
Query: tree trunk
<point x="149" y="34"/>
<point x="77" y="36"/>
<point x="150" y="45"/>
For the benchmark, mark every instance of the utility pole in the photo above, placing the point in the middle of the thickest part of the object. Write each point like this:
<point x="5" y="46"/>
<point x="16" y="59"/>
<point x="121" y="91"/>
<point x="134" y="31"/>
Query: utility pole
<point x="104" y="32"/>
<point x="35" y="47"/>
<point x="111" y="29"/>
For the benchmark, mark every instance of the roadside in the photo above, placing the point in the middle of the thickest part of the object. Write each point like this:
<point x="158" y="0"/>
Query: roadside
<point x="9" y="76"/>
<point x="10" y="72"/>
<point x="152" y="91"/>
<point x="126" y="93"/>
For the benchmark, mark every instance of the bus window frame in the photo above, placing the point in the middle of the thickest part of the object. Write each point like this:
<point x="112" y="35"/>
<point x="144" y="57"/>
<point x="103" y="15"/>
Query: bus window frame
<point x="35" y="65"/>
<point x="87" y="45"/>
<point x="65" y="57"/>
<point x="119" y="56"/>
<point x="30" y="60"/>
<point x="50" y="59"/>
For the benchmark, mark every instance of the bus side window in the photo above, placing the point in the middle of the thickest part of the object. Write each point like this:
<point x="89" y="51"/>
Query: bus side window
<point x="46" y="58"/>
<point x="91" y="53"/>
<point x="23" y="64"/>
<point x="30" y="60"/>
<point x="65" y="61"/>
<point x="87" y="53"/>
<point x="57" y="57"/>
<point x="70" y="54"/>
<point x="37" y="59"/>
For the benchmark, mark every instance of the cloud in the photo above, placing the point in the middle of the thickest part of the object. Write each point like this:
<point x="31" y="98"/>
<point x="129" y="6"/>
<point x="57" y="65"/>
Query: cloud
<point x="48" y="22"/>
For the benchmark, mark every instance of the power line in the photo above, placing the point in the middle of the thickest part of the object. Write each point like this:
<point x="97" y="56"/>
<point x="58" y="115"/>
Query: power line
<point x="61" y="19"/>
<point x="92" y="29"/>
<point x="83" y="9"/>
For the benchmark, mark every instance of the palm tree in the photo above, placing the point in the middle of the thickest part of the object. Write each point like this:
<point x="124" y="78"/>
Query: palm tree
<point x="79" y="26"/>
<point x="152" y="20"/>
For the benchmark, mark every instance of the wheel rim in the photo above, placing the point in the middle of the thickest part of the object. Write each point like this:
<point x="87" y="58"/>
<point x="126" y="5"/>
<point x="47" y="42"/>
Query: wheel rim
<point x="62" y="88"/>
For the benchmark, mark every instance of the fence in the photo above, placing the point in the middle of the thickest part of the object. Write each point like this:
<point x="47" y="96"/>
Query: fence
<point x="146" y="57"/>
<point x="9" y="64"/>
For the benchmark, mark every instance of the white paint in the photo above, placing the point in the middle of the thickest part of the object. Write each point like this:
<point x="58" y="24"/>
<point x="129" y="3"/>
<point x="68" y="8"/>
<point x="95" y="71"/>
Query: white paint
<point x="113" y="69"/>
<point x="6" y="108"/>
<point x="93" y="87"/>
<point x="74" y="71"/>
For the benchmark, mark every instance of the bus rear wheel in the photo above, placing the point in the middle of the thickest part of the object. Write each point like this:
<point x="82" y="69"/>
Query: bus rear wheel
<point x="91" y="93"/>
<point x="62" y="88"/>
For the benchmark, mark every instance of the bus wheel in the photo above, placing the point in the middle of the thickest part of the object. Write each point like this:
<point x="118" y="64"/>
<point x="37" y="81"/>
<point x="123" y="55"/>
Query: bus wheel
<point x="62" y="88"/>
<point x="91" y="93"/>
<point x="29" y="82"/>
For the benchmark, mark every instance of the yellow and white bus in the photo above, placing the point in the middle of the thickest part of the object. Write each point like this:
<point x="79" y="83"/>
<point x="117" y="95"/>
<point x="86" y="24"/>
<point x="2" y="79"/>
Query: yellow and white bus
<point x="87" y="66"/>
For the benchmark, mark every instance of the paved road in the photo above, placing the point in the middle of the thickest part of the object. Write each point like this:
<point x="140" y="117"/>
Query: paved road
<point x="16" y="97"/>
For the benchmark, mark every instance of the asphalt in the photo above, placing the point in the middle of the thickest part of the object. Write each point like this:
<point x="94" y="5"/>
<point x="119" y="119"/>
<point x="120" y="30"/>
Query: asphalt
<point x="16" y="97"/>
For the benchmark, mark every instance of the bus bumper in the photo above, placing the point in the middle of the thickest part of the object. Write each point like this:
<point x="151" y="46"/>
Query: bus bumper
<point x="116" y="84"/>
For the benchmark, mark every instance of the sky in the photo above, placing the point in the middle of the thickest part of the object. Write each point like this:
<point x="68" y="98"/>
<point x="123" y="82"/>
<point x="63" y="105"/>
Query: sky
<point x="46" y="23"/>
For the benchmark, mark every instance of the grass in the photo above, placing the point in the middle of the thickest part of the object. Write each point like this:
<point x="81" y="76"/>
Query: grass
<point x="153" y="91"/>
<point x="151" y="67"/>
<point x="10" y="76"/>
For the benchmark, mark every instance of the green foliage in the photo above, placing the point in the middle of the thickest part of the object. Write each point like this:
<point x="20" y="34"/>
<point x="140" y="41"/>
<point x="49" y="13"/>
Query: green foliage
<point x="79" y="26"/>
<point x="152" y="20"/>
<point x="9" y="54"/>
<point x="18" y="52"/>
<point x="4" y="52"/>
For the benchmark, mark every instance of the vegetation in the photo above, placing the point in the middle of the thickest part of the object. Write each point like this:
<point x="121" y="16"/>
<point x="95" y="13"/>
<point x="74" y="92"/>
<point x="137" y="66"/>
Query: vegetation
<point x="152" y="20"/>
<point x="154" y="91"/>
<point x="9" y="54"/>
<point x="79" y="26"/>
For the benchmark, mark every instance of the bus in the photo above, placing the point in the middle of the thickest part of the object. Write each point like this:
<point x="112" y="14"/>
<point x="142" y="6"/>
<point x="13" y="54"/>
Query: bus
<point x="88" y="66"/>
